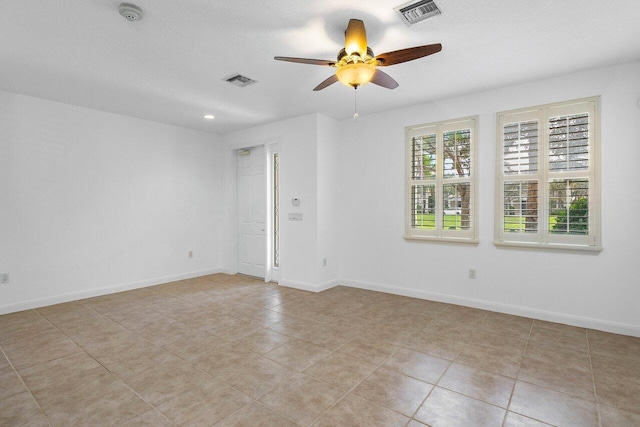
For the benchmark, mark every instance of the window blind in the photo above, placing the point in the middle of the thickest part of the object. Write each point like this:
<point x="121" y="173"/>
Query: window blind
<point x="547" y="186"/>
<point x="520" y="147"/>
<point x="440" y="200"/>
<point x="569" y="143"/>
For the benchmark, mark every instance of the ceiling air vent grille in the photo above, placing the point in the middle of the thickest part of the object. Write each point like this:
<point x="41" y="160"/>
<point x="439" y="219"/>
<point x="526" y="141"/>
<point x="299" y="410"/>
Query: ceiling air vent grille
<point x="240" y="80"/>
<point x="413" y="12"/>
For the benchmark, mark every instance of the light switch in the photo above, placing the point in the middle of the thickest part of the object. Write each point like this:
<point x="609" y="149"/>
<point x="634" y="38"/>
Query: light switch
<point x="295" y="217"/>
<point x="295" y="201"/>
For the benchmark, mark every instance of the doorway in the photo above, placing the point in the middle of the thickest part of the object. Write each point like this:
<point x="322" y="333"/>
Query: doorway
<point x="252" y="205"/>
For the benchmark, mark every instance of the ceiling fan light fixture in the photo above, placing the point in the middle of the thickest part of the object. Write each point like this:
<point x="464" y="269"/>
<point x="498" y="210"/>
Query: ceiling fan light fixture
<point x="356" y="64"/>
<point x="355" y="75"/>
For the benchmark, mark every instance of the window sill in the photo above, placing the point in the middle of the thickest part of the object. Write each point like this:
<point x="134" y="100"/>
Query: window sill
<point x="441" y="239"/>
<point x="550" y="247"/>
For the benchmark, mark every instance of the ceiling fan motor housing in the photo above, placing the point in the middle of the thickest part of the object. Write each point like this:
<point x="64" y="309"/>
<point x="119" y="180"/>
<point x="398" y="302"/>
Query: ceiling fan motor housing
<point x="344" y="58"/>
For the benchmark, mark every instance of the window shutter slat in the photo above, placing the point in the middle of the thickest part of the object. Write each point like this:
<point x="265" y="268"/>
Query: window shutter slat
<point x="457" y="206"/>
<point x="424" y="157"/>
<point x="569" y="143"/>
<point x="521" y="206"/>
<point x="520" y="147"/>
<point x="457" y="150"/>
<point x="423" y="203"/>
<point x="569" y="206"/>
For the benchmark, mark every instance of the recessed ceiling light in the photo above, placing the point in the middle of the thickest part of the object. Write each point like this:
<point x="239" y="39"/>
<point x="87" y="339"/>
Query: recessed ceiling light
<point x="209" y="117"/>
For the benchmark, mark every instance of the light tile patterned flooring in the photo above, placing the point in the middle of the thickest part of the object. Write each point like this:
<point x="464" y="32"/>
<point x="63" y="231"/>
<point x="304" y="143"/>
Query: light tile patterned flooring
<point x="231" y="351"/>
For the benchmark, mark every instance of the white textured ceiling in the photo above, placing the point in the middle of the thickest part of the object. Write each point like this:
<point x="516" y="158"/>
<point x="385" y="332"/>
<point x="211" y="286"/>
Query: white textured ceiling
<point x="170" y="66"/>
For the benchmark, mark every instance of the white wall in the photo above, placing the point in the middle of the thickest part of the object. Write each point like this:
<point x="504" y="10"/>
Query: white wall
<point x="296" y="139"/>
<point x="591" y="290"/>
<point x="329" y="140"/>
<point x="93" y="202"/>
<point x="304" y="151"/>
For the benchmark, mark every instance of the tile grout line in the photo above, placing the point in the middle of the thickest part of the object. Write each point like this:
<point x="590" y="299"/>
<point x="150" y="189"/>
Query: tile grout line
<point x="297" y="371"/>
<point x="397" y="348"/>
<point x="443" y="373"/>
<point x="506" y="409"/>
<point x="106" y="369"/>
<point x="352" y="388"/>
<point x="25" y="386"/>
<point x="115" y="376"/>
<point x="522" y="356"/>
<point x="465" y="395"/>
<point x="355" y="386"/>
<point x="542" y="386"/>
<point x="451" y="362"/>
<point x="198" y="369"/>
<point x="593" y="379"/>
<point x="324" y="382"/>
<point x="253" y="400"/>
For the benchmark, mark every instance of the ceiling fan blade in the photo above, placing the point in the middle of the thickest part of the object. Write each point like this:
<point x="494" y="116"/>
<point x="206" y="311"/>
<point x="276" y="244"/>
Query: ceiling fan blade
<point x="305" y="60"/>
<point x="383" y="79"/>
<point x="355" y="38"/>
<point x="409" y="54"/>
<point x="331" y="80"/>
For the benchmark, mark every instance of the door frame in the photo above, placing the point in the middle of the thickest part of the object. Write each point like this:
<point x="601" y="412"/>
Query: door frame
<point x="270" y="147"/>
<point x="272" y="273"/>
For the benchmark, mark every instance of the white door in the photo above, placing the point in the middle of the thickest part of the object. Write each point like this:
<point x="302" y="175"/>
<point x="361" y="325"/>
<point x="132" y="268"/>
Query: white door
<point x="251" y="212"/>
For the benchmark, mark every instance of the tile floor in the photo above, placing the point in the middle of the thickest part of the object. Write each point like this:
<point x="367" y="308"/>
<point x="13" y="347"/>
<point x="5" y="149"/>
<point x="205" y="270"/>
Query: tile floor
<point x="231" y="351"/>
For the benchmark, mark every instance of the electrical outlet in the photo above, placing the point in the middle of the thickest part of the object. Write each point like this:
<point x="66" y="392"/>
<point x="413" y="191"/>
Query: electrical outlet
<point x="4" y="278"/>
<point x="190" y="254"/>
<point x="472" y="273"/>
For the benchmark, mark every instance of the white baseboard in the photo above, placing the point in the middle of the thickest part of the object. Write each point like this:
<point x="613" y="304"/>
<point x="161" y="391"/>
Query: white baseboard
<point x="74" y="296"/>
<point x="309" y="286"/>
<point x="567" y="319"/>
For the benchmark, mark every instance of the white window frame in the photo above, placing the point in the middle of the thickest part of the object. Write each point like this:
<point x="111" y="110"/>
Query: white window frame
<point x="543" y="239"/>
<point x="469" y="235"/>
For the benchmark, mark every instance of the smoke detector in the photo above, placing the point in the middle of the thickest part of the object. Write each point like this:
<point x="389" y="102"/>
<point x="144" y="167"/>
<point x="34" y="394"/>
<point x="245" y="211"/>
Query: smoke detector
<point x="130" y="12"/>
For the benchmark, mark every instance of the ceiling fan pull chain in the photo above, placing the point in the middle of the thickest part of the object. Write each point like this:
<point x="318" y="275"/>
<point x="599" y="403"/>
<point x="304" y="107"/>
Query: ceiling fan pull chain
<point x="355" y="104"/>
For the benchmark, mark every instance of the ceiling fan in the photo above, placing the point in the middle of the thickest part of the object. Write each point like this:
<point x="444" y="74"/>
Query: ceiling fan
<point x="356" y="63"/>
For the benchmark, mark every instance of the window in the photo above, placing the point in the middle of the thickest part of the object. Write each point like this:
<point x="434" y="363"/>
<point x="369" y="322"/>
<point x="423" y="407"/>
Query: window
<point x="548" y="180"/>
<point x="441" y="181"/>
<point x="276" y="211"/>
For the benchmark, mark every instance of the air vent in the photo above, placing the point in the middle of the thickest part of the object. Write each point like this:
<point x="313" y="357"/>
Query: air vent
<point x="413" y="12"/>
<point x="240" y="80"/>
